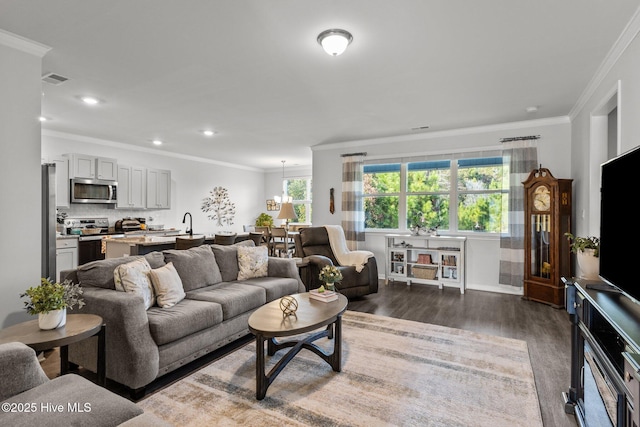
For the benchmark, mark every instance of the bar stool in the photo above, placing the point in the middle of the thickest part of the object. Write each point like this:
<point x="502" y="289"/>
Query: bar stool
<point x="189" y="242"/>
<point x="224" y="239"/>
<point x="256" y="236"/>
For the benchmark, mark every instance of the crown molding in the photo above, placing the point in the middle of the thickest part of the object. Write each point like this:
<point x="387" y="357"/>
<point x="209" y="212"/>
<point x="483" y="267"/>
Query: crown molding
<point x="445" y="133"/>
<point x="21" y="43"/>
<point x="104" y="142"/>
<point x="617" y="50"/>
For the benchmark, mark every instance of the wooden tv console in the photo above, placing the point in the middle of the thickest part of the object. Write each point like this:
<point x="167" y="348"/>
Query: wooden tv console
<point x="605" y="355"/>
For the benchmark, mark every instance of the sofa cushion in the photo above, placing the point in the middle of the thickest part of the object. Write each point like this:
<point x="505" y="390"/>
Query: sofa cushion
<point x="252" y="262"/>
<point x="155" y="259"/>
<point x="106" y="408"/>
<point x="185" y="318"/>
<point x="235" y="298"/>
<point x="275" y="287"/>
<point x="167" y="286"/>
<point x="100" y="273"/>
<point x="227" y="259"/>
<point x="197" y="266"/>
<point x="133" y="277"/>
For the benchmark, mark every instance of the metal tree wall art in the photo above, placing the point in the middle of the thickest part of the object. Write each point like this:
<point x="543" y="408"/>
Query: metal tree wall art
<point x="218" y="202"/>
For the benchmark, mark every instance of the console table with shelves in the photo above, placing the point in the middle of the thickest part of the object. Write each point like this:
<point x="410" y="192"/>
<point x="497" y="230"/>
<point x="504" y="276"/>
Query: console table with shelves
<point x="605" y="355"/>
<point x="432" y="260"/>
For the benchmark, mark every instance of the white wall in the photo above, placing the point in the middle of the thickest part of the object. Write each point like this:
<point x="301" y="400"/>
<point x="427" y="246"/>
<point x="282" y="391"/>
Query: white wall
<point x="191" y="181"/>
<point x="621" y="73"/>
<point x="20" y="174"/>
<point x="554" y="152"/>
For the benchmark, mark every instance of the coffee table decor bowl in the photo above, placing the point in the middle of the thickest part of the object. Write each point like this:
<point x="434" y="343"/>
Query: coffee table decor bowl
<point x="312" y="321"/>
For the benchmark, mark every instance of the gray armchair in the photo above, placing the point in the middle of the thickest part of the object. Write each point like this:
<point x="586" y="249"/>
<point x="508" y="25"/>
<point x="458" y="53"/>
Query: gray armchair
<point x="313" y="245"/>
<point x="79" y="401"/>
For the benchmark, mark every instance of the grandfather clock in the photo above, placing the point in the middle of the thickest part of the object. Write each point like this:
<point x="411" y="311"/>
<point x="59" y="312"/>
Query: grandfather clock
<point x="547" y="210"/>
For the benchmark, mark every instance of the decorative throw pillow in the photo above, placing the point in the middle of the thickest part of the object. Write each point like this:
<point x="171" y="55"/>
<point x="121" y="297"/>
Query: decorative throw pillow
<point x="167" y="285"/>
<point x="133" y="277"/>
<point x="252" y="262"/>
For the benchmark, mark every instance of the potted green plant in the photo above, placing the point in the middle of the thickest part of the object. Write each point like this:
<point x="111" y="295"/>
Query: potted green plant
<point x="587" y="250"/>
<point x="50" y="301"/>
<point x="264" y="220"/>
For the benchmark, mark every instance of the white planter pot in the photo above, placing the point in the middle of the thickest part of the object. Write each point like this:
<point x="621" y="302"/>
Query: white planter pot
<point x="588" y="265"/>
<point x="53" y="319"/>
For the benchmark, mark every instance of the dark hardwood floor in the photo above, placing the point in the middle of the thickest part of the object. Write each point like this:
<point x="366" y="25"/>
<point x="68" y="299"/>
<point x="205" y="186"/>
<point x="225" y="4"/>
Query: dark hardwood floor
<point x="546" y="331"/>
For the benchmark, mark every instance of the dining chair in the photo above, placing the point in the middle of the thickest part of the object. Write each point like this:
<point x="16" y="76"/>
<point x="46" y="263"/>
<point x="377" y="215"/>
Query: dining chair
<point x="282" y="243"/>
<point x="266" y="238"/>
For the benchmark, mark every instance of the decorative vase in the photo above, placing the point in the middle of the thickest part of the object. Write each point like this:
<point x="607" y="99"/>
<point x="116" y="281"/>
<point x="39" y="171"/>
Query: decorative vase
<point x="53" y="319"/>
<point x="588" y="265"/>
<point x="330" y="286"/>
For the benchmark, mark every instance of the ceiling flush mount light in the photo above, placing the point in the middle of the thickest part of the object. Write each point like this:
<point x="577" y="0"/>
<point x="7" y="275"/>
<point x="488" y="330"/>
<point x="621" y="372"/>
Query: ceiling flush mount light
<point x="335" y="41"/>
<point x="208" y="132"/>
<point x="90" y="100"/>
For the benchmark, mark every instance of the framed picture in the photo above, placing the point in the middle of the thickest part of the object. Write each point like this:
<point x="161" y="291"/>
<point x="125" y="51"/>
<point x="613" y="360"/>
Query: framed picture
<point x="272" y="205"/>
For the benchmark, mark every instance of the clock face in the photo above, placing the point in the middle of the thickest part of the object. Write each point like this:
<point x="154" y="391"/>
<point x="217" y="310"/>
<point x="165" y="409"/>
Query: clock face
<point x="541" y="198"/>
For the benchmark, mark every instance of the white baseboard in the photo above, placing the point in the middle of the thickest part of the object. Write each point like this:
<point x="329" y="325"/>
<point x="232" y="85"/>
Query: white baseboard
<point x="503" y="289"/>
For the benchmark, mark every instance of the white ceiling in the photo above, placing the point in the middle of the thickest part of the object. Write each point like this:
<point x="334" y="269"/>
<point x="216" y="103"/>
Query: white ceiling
<point x="253" y="71"/>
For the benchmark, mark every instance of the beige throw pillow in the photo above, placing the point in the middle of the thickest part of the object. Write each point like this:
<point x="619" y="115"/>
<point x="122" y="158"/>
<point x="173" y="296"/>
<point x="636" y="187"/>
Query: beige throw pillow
<point x="167" y="285"/>
<point x="133" y="277"/>
<point x="252" y="262"/>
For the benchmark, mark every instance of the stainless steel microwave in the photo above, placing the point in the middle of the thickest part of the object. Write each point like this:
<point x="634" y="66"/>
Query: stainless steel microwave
<point x="93" y="191"/>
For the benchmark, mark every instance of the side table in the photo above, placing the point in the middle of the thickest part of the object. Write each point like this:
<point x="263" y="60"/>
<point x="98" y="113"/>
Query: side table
<point x="77" y="328"/>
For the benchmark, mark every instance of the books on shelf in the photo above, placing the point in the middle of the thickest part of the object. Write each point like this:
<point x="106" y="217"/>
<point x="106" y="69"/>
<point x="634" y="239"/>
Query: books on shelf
<point x="325" y="296"/>
<point x="424" y="259"/>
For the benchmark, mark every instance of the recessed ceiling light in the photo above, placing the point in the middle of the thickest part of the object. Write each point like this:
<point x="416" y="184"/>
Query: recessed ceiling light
<point x="43" y="119"/>
<point x="532" y="109"/>
<point x="208" y="132"/>
<point x="90" y="100"/>
<point x="157" y="142"/>
<point x="421" y="127"/>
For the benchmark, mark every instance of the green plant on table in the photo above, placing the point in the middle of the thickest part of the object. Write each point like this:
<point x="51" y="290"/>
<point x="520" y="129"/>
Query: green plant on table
<point x="49" y="296"/>
<point x="579" y="244"/>
<point x="264" y="220"/>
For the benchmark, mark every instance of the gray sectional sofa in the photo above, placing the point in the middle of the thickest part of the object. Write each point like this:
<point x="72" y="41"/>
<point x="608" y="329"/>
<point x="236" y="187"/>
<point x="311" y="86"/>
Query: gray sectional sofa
<point x="29" y="398"/>
<point x="145" y="344"/>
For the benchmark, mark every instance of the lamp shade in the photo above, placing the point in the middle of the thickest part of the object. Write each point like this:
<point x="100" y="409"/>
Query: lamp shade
<point x="334" y="42"/>
<point x="286" y="211"/>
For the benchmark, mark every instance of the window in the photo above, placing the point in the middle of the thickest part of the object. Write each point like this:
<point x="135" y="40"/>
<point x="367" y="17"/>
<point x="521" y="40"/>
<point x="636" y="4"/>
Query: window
<point x="299" y="189"/>
<point x="381" y="195"/>
<point x="466" y="194"/>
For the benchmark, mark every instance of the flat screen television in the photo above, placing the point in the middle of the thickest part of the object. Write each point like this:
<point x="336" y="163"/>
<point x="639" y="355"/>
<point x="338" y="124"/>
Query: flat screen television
<point x="619" y="258"/>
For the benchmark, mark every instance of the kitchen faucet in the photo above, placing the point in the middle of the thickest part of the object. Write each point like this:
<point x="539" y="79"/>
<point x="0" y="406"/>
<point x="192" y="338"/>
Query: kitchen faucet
<point x="184" y="219"/>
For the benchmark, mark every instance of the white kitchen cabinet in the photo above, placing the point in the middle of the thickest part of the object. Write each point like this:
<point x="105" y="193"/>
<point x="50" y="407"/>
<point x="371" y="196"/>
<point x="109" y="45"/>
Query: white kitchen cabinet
<point x="434" y="260"/>
<point x="92" y="167"/>
<point x="132" y="187"/>
<point x="158" y="189"/>
<point x="66" y="255"/>
<point x="62" y="182"/>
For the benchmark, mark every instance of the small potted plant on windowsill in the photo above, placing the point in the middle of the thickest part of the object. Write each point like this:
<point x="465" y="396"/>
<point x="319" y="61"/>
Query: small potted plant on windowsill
<point x="587" y="250"/>
<point x="50" y="302"/>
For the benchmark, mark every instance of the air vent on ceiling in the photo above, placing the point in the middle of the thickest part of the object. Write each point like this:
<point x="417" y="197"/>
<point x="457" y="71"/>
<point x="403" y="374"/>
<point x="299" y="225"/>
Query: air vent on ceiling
<point x="54" y="79"/>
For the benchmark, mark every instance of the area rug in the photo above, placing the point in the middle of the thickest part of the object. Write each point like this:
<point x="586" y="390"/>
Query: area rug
<point x="394" y="373"/>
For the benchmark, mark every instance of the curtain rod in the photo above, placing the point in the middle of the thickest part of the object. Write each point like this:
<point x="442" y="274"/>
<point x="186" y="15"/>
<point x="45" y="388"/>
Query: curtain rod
<point x="519" y="138"/>
<point x="353" y="154"/>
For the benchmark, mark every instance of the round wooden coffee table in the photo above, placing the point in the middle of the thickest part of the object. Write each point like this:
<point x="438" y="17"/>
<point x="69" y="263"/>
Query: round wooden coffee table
<point x="77" y="328"/>
<point x="268" y="323"/>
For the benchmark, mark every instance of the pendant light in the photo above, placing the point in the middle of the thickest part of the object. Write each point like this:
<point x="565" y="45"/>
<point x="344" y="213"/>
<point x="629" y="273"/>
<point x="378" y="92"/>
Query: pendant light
<point x="284" y="198"/>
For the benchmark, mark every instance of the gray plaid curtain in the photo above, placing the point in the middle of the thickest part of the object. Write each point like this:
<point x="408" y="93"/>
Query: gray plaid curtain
<point x="521" y="160"/>
<point x="352" y="204"/>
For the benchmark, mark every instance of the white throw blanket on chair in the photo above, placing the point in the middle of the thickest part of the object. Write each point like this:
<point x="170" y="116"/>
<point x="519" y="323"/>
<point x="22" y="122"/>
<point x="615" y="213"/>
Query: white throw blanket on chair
<point x="339" y="247"/>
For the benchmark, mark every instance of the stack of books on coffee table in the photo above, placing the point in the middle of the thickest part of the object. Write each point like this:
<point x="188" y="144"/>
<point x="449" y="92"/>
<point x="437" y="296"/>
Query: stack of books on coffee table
<point x="325" y="296"/>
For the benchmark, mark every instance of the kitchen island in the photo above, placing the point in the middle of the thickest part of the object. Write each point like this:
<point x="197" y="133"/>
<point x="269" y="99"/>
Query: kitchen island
<point x="141" y="245"/>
